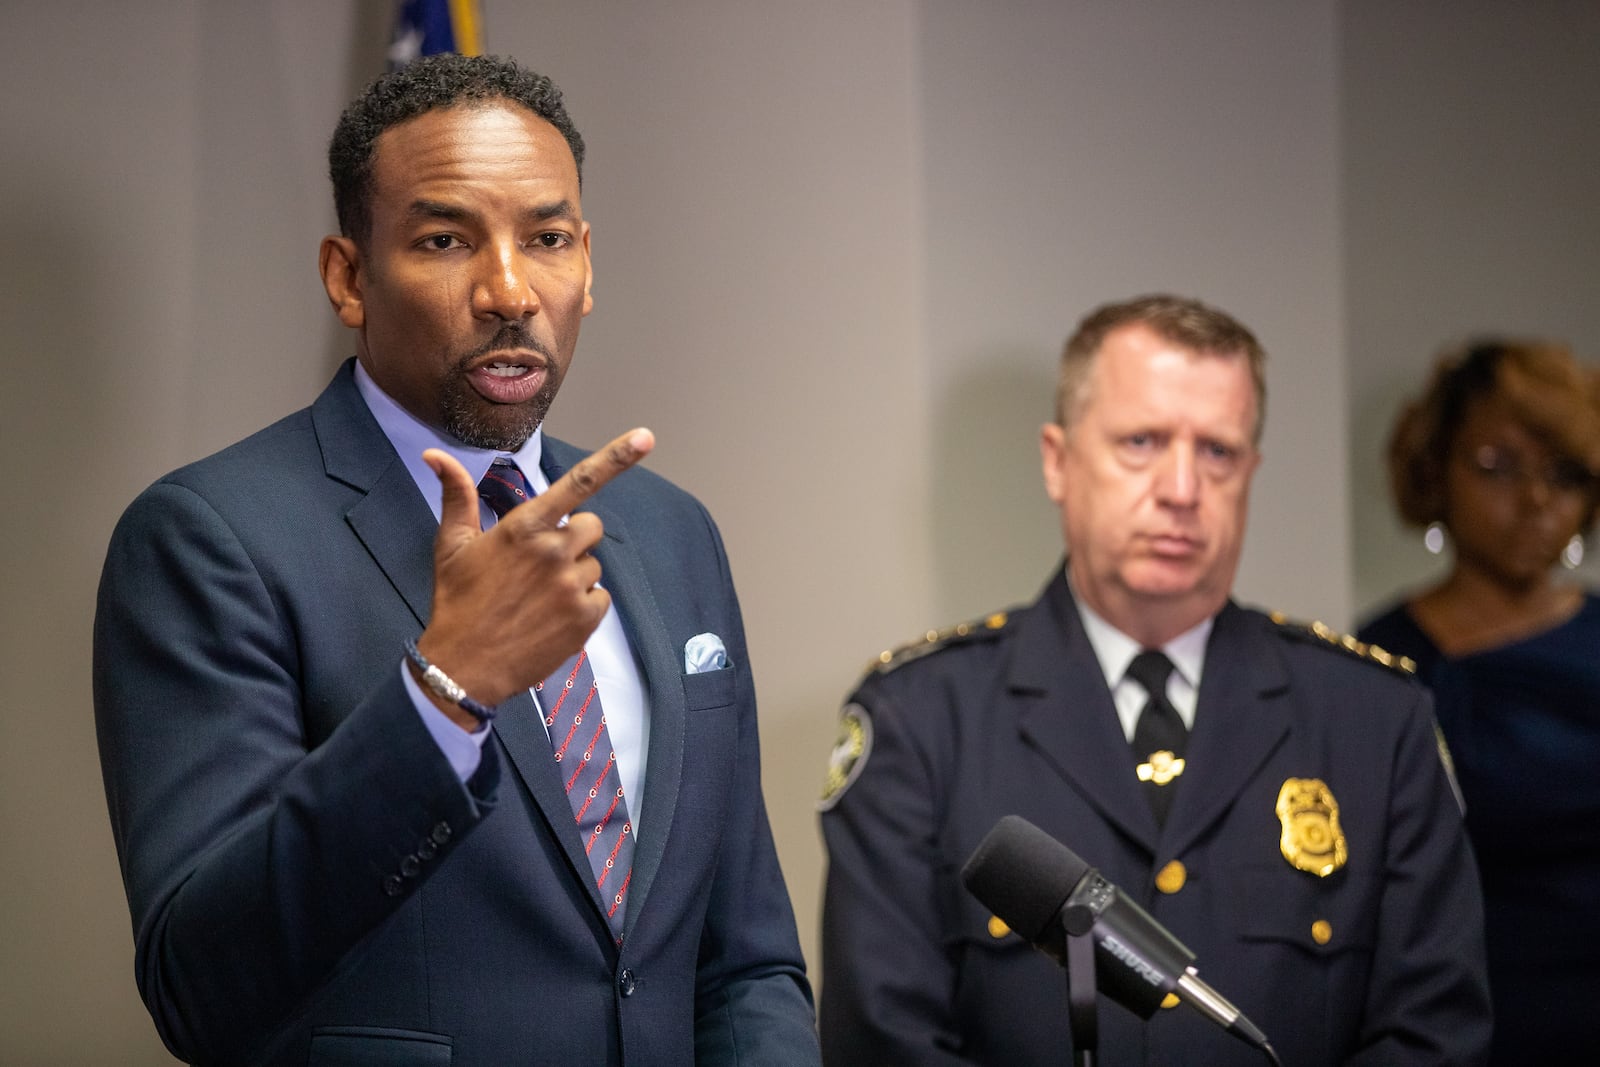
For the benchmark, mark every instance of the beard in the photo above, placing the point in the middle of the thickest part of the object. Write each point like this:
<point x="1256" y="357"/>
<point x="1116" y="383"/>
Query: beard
<point x="474" y="421"/>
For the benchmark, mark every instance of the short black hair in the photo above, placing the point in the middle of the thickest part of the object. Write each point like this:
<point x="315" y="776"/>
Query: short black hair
<point x="429" y="83"/>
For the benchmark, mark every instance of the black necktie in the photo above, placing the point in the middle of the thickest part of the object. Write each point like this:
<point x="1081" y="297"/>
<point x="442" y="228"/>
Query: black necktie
<point x="1160" y="737"/>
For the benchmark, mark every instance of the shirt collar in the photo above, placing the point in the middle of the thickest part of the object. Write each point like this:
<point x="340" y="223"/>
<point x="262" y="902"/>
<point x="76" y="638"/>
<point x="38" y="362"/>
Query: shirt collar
<point x="1115" y="650"/>
<point x="410" y="436"/>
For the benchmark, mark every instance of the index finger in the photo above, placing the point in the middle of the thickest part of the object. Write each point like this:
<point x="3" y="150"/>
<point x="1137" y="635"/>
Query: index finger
<point x="591" y="473"/>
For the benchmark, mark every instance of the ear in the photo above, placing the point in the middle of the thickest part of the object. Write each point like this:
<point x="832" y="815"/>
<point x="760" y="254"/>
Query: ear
<point x="340" y="264"/>
<point x="588" y="273"/>
<point x="1052" y="460"/>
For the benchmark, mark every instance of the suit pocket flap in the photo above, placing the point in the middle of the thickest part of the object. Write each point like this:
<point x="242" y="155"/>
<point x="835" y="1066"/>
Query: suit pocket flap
<point x="1324" y="916"/>
<point x="976" y="927"/>
<point x="376" y="1046"/>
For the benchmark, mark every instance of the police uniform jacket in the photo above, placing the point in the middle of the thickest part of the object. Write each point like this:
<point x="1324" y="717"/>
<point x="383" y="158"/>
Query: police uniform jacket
<point x="1379" y="961"/>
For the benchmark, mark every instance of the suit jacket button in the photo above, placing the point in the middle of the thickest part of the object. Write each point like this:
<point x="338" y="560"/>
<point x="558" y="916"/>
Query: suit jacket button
<point x="410" y="866"/>
<point x="625" y="983"/>
<point x="392" y="886"/>
<point x="427" y="850"/>
<point x="441" y="833"/>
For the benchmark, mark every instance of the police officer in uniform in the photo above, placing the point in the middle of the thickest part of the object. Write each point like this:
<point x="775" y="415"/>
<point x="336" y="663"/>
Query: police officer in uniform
<point x="1272" y="794"/>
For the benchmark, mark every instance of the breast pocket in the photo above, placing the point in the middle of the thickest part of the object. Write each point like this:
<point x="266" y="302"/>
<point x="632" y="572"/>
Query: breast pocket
<point x="709" y="689"/>
<point x="1309" y="944"/>
<point x="376" y="1046"/>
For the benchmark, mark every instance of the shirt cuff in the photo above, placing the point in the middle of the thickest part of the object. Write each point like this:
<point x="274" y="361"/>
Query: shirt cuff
<point x="463" y="750"/>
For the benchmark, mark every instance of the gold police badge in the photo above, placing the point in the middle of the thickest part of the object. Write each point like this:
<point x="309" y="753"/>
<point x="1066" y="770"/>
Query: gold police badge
<point x="849" y="755"/>
<point x="1312" y="840"/>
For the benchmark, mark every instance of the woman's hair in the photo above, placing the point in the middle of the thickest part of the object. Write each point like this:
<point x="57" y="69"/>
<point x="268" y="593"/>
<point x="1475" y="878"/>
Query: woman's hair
<point x="1554" y="397"/>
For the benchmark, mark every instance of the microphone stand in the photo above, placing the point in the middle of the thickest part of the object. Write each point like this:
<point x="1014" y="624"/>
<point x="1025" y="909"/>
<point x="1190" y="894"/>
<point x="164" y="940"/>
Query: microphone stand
<point x="1082" y="1021"/>
<point x="1078" y="916"/>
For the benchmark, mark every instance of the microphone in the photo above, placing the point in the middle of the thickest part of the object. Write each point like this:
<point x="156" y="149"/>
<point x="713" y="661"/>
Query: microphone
<point x="1042" y="890"/>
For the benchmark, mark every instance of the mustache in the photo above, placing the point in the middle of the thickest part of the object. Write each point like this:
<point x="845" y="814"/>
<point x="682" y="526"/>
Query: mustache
<point x="512" y="335"/>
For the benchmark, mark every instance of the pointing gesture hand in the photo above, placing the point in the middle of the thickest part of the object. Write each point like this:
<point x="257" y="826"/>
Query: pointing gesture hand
<point x="511" y="604"/>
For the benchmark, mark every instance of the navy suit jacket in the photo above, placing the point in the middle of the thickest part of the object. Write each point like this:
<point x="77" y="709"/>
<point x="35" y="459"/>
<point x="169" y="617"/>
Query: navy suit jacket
<point x="308" y="879"/>
<point x="1380" y="962"/>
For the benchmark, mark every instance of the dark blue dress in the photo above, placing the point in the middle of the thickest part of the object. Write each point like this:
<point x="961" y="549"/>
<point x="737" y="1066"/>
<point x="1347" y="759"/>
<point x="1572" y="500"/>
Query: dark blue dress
<point x="1523" y="725"/>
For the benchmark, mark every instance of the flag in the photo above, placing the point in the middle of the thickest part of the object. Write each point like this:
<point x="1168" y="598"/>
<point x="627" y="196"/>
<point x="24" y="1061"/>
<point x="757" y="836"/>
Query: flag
<point x="423" y="27"/>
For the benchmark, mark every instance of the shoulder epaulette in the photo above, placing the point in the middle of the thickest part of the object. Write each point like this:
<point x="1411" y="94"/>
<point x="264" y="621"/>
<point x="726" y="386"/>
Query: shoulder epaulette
<point x="934" y="640"/>
<point x="1322" y="634"/>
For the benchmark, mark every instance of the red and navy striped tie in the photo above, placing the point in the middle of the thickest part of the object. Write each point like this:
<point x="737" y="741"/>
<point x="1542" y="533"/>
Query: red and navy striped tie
<point x="576" y="723"/>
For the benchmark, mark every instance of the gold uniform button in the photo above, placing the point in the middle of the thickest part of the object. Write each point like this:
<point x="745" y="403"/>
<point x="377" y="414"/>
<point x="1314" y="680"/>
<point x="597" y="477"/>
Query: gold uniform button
<point x="1172" y="877"/>
<point x="1170" y="1001"/>
<point x="1321" y="931"/>
<point x="998" y="927"/>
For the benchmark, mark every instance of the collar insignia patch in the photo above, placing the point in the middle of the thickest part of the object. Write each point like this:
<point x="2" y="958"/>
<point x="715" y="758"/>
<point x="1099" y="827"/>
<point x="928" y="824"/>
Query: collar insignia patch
<point x="1162" y="768"/>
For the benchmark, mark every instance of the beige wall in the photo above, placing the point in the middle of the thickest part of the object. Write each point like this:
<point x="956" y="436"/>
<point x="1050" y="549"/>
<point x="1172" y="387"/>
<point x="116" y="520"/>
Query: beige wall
<point x="1472" y="175"/>
<point x="1078" y="153"/>
<point x="837" y="245"/>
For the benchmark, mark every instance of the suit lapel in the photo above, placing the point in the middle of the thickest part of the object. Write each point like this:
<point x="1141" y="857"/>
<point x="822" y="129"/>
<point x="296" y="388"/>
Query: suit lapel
<point x="1072" y="722"/>
<point x="1071" y="719"/>
<point x="626" y="579"/>
<point x="522" y="738"/>
<point x="391" y="519"/>
<point x="1238" y="723"/>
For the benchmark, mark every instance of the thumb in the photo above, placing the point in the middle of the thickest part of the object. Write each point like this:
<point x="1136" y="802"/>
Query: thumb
<point x="458" y="508"/>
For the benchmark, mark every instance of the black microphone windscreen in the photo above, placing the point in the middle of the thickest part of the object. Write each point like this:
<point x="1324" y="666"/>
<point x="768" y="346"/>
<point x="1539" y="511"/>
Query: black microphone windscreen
<point x="1023" y="875"/>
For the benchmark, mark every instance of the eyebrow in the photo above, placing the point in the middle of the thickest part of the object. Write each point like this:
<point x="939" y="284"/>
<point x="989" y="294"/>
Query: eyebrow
<point x="438" y="209"/>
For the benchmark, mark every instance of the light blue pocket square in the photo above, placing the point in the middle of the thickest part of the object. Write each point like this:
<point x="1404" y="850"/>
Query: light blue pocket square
<point x="704" y="652"/>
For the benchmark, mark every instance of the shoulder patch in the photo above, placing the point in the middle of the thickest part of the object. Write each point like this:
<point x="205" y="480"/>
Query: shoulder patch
<point x="1321" y="634"/>
<point x="934" y="640"/>
<point x="849" y="756"/>
<point x="1449" y="762"/>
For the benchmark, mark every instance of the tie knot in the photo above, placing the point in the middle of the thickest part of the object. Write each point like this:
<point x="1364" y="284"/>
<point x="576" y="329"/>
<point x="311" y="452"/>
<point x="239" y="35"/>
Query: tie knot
<point x="1151" y="668"/>
<point x="504" y="487"/>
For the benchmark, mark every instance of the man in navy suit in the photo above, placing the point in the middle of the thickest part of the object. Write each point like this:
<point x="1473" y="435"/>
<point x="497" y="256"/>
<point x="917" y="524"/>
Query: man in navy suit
<point x="1272" y="795"/>
<point x="332" y="854"/>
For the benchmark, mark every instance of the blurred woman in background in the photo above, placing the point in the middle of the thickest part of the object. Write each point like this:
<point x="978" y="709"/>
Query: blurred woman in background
<point x="1499" y="460"/>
